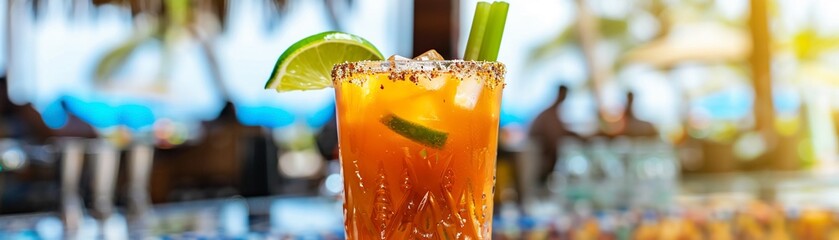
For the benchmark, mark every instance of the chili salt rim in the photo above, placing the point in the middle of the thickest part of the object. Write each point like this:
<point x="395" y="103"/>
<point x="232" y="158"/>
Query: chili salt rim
<point x="406" y="70"/>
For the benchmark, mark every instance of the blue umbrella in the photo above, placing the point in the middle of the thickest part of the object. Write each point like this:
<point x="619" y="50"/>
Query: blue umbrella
<point x="102" y="115"/>
<point x="508" y="118"/>
<point x="320" y="117"/>
<point x="97" y="114"/>
<point x="135" y="116"/>
<point x="264" y="116"/>
<point x="54" y="115"/>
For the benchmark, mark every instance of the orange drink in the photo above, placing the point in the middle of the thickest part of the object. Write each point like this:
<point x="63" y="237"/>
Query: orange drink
<point x="417" y="144"/>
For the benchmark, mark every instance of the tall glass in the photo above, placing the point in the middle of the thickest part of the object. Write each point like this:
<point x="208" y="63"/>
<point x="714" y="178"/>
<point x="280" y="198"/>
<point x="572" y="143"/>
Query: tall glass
<point x="417" y="144"/>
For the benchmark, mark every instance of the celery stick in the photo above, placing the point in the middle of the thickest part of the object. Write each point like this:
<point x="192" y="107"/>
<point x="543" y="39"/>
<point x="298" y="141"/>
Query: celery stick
<point x="476" y="34"/>
<point x="494" y="31"/>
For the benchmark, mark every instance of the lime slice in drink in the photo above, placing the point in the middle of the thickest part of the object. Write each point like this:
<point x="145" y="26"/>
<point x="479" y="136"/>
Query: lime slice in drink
<point x="416" y="132"/>
<point x="307" y="64"/>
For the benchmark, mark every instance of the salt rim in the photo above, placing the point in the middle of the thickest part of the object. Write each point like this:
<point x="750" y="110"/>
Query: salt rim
<point x="492" y="72"/>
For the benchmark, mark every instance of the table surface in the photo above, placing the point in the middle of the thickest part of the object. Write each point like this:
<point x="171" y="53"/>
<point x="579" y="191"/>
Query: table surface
<point x="321" y="217"/>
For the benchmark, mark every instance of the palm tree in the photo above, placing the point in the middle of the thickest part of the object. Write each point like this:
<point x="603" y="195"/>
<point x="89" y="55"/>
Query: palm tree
<point x="760" y="59"/>
<point x="168" y="21"/>
<point x="589" y="29"/>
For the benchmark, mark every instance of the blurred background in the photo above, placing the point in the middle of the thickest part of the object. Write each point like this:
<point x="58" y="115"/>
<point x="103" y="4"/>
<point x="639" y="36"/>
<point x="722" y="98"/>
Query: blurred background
<point x="621" y="119"/>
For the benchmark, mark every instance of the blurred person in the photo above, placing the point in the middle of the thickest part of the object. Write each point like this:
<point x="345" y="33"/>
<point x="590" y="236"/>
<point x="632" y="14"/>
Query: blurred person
<point x="33" y="187"/>
<point x="25" y="123"/>
<point x="634" y="127"/>
<point x="21" y="122"/>
<point x="547" y="130"/>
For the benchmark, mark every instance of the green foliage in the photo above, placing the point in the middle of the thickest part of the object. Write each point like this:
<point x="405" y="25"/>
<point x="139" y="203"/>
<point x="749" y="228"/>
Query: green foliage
<point x="302" y="141"/>
<point x="115" y="59"/>
<point x="165" y="30"/>
<point x="616" y="30"/>
<point x="178" y="12"/>
<point x="613" y="28"/>
<point x="550" y="48"/>
<point x="808" y="45"/>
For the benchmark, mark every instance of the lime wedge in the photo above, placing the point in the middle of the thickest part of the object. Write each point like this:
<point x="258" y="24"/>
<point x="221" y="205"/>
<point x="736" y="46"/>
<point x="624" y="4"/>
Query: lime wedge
<point x="307" y="64"/>
<point x="416" y="132"/>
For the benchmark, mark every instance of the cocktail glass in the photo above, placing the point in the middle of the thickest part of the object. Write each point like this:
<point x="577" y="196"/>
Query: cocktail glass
<point x="417" y="144"/>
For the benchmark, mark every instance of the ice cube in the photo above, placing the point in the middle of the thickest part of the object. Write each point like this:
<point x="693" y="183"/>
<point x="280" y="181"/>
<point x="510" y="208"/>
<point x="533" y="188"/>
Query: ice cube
<point x="468" y="92"/>
<point x="430" y="55"/>
<point x="426" y="81"/>
<point x="396" y="57"/>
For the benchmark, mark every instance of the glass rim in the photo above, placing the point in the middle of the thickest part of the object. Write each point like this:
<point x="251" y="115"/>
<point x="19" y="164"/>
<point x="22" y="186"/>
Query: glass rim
<point x="346" y="70"/>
